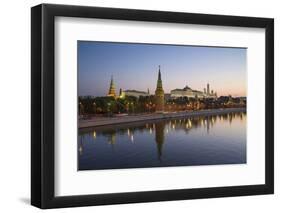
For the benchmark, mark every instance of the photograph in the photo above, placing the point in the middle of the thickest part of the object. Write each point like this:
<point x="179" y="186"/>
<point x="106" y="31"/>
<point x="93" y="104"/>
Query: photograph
<point x="160" y="105"/>
<point x="170" y="105"/>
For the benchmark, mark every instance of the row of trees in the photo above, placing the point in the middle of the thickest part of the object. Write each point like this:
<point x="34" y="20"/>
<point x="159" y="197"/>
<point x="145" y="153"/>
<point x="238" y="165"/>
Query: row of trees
<point x="146" y="104"/>
<point x="110" y="105"/>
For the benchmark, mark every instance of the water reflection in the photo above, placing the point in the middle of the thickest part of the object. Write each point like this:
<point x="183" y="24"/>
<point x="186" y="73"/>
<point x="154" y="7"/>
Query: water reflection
<point x="204" y="140"/>
<point x="159" y="137"/>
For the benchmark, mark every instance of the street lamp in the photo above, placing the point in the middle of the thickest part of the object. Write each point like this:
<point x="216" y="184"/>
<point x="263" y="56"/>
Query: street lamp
<point x="108" y="107"/>
<point x="81" y="106"/>
<point x="127" y="107"/>
<point x="132" y="106"/>
<point x="94" y="105"/>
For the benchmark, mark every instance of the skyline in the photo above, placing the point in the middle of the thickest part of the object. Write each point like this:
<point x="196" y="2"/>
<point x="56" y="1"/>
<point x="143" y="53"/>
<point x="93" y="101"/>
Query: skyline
<point x="135" y="67"/>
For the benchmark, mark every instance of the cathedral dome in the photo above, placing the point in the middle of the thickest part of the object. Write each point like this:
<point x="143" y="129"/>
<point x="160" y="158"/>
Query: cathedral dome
<point x="186" y="88"/>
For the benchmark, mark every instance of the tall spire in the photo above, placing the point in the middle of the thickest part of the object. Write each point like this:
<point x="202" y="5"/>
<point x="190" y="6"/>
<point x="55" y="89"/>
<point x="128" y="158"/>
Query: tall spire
<point x="111" y="91"/>
<point x="159" y="81"/>
<point x="159" y="94"/>
<point x="111" y="81"/>
<point x="159" y="74"/>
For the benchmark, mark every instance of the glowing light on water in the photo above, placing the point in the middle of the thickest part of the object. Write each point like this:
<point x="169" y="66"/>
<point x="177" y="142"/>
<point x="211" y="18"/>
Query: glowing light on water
<point x="80" y="150"/>
<point x="189" y="123"/>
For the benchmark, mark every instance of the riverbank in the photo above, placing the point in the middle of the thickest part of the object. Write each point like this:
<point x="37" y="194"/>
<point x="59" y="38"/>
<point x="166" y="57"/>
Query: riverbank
<point x="154" y="116"/>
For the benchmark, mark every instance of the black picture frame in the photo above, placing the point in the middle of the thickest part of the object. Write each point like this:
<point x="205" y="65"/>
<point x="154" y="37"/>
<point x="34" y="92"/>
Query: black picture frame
<point x="43" y="117"/>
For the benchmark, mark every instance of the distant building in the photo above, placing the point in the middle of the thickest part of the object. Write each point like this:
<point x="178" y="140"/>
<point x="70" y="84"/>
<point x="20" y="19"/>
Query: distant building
<point x="159" y="94"/>
<point x="167" y="96"/>
<point x="209" y="93"/>
<point x="186" y="92"/>
<point x="134" y="93"/>
<point x="190" y="93"/>
<point x="111" y="91"/>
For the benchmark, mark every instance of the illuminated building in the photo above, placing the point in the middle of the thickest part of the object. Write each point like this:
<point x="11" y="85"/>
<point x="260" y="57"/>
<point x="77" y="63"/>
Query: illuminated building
<point x="134" y="93"/>
<point x="190" y="93"/>
<point x="111" y="91"/>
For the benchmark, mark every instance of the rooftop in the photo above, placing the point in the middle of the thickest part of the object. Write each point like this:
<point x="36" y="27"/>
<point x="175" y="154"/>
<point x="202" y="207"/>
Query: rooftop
<point x="184" y="89"/>
<point x="136" y="91"/>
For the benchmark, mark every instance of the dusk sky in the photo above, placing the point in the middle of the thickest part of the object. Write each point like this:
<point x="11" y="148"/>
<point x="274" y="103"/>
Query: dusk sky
<point x="135" y="66"/>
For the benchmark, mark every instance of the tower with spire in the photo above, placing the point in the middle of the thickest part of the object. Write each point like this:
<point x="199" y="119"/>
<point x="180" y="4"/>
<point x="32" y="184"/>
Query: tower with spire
<point x="208" y="88"/>
<point x="111" y="91"/>
<point x="159" y="94"/>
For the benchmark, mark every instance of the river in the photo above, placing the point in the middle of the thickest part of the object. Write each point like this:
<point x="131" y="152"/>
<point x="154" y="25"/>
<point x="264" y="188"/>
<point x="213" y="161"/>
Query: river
<point x="201" y="140"/>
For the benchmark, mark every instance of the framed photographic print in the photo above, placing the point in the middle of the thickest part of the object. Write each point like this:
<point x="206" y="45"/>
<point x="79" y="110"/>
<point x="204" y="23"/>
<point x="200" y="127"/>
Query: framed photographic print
<point x="139" y="106"/>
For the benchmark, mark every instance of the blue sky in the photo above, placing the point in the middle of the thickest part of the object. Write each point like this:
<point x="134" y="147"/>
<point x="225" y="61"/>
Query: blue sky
<point x="135" y="66"/>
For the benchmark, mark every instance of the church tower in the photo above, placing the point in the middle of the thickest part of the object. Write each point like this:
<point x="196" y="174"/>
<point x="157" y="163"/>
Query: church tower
<point x="111" y="91"/>
<point x="208" y="89"/>
<point x="159" y="94"/>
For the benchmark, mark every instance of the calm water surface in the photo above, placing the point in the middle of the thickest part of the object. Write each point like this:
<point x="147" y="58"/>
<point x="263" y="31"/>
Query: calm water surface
<point x="175" y="142"/>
